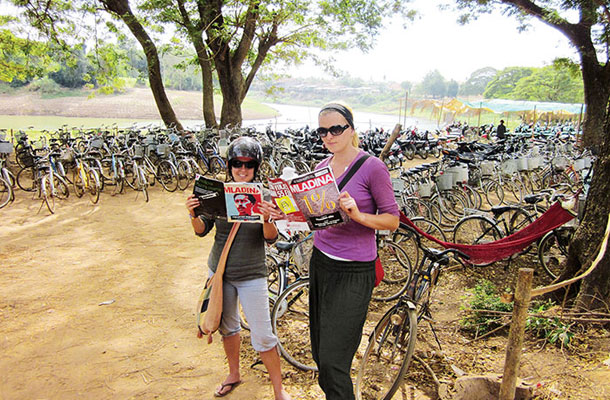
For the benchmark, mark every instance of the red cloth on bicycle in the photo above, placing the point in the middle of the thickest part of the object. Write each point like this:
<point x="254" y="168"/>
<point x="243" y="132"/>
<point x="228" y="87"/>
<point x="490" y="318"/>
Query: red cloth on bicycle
<point x="497" y="250"/>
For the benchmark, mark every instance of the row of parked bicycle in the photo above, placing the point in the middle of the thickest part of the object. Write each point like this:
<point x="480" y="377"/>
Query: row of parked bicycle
<point x="477" y="193"/>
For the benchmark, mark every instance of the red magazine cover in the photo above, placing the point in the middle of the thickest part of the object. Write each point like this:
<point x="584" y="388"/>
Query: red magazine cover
<point x="315" y="196"/>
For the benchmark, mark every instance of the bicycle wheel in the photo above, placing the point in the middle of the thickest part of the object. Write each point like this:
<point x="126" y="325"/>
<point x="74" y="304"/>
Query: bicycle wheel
<point x="290" y="323"/>
<point x="167" y="175"/>
<point x="301" y="167"/>
<point x="515" y="191"/>
<point x="409" y="152"/>
<point x="6" y="192"/>
<point x="217" y="168"/>
<point x="142" y="183"/>
<point x="430" y="228"/>
<point x="405" y="237"/>
<point x="184" y="175"/>
<point x="275" y="276"/>
<point x="61" y="187"/>
<point x="93" y="187"/>
<point x="25" y="179"/>
<point x="47" y="193"/>
<point x="494" y="193"/>
<point x="397" y="272"/>
<point x="553" y="250"/>
<point x="476" y="229"/>
<point x="416" y="207"/>
<point x="286" y="162"/>
<point x="78" y="184"/>
<point x="388" y="354"/>
<point x="266" y="171"/>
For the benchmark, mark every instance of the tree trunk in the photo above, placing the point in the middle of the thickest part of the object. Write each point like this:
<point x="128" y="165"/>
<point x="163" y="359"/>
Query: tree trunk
<point x="209" y="115"/>
<point x="122" y="9"/>
<point x="594" y="291"/>
<point x="231" y="83"/>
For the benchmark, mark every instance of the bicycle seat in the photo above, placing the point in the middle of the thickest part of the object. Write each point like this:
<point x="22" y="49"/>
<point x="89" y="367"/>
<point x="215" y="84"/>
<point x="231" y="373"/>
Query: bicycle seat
<point x="285" y="246"/>
<point x="497" y="210"/>
<point x="533" y="198"/>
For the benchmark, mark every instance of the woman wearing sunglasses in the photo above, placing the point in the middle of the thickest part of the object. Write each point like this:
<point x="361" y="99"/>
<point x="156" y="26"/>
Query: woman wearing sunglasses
<point x="245" y="277"/>
<point x="342" y="267"/>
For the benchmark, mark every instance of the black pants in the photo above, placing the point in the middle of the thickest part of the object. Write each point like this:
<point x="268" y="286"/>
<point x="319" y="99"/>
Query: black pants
<point x="339" y="295"/>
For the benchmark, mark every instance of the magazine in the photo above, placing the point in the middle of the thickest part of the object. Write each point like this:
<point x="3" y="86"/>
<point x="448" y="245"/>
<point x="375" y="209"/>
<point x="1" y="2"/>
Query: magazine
<point x="235" y="202"/>
<point x="311" y="198"/>
<point x="243" y="200"/>
<point x="210" y="193"/>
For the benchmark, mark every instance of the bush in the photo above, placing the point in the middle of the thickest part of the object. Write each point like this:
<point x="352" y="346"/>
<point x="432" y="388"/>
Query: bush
<point x="45" y="86"/>
<point x="484" y="297"/>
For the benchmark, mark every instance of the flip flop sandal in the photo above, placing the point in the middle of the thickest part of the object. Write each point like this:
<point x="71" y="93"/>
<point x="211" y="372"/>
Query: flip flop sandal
<point x="219" y="392"/>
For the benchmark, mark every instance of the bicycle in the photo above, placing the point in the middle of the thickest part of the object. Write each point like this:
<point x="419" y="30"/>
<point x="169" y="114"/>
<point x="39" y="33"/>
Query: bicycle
<point x="391" y="345"/>
<point x="85" y="179"/>
<point x="480" y="229"/>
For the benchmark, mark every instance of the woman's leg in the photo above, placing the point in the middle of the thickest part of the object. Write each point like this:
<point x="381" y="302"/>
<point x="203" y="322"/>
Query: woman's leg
<point x="254" y="299"/>
<point x="231" y="340"/>
<point x="271" y="359"/>
<point x="342" y="294"/>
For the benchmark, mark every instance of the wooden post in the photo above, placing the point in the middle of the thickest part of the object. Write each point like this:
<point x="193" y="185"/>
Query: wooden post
<point x="406" y="102"/>
<point x="515" y="336"/>
<point x="399" y="110"/>
<point x="391" y="140"/>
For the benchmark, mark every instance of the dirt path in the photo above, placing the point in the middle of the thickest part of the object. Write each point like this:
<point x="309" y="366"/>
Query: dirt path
<point x="59" y="340"/>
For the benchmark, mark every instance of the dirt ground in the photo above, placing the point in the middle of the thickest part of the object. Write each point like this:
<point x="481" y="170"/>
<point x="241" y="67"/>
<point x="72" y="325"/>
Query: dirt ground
<point x="98" y="301"/>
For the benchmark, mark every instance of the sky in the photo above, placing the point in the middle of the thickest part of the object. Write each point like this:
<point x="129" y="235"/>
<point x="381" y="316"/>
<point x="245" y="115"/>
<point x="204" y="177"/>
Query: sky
<point x="437" y="41"/>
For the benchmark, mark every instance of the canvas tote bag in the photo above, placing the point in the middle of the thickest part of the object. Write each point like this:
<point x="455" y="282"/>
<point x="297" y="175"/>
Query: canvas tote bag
<point x="209" y="307"/>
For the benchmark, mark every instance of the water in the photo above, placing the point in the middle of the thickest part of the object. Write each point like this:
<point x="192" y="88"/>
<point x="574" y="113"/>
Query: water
<point x="300" y="116"/>
<point x="290" y="117"/>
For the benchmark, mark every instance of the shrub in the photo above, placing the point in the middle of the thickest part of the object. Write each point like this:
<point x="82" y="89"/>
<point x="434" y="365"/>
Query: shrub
<point x="484" y="297"/>
<point x="45" y="86"/>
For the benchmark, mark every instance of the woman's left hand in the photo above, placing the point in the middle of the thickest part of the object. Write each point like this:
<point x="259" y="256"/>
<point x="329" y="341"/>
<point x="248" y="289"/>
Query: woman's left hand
<point x="348" y="204"/>
<point x="269" y="209"/>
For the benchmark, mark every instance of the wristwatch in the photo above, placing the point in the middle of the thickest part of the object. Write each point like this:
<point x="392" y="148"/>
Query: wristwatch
<point x="192" y="216"/>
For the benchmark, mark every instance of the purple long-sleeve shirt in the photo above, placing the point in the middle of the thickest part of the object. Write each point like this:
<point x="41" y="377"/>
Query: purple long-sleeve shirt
<point x="371" y="187"/>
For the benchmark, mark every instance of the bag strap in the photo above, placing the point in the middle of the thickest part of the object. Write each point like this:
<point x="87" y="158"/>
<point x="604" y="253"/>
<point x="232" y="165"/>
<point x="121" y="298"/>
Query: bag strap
<point x="353" y="170"/>
<point x="222" y="262"/>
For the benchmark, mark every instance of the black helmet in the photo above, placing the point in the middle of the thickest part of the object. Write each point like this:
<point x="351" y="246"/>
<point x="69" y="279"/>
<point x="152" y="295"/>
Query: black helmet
<point x="245" y="146"/>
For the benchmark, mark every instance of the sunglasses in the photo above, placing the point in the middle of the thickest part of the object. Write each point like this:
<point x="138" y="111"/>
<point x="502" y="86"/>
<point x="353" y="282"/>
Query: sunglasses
<point x="334" y="130"/>
<point x="248" y="164"/>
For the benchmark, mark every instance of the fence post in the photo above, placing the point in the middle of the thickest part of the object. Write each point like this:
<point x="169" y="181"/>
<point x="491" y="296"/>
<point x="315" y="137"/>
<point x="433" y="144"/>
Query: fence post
<point x="515" y="336"/>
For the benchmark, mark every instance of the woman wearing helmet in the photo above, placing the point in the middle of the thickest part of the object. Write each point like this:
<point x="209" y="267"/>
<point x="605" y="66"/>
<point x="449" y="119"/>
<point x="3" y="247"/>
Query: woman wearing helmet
<point x="245" y="277"/>
<point x="342" y="266"/>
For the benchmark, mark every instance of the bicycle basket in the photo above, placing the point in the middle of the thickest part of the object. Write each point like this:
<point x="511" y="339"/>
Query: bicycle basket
<point x="425" y="189"/>
<point x="66" y="155"/>
<point x="509" y="167"/>
<point x="97" y="143"/>
<point x="445" y="181"/>
<point x="301" y="254"/>
<point x="534" y="163"/>
<point x="6" y="147"/>
<point x="163" y="149"/>
<point x="26" y="158"/>
<point x="487" y="168"/>
<point x="138" y="150"/>
<point x="522" y="164"/>
<point x="560" y="163"/>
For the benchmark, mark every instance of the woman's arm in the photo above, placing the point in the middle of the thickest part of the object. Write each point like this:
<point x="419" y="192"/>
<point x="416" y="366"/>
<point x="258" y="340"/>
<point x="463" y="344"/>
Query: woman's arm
<point x="199" y="226"/>
<point x="270" y="212"/>
<point x="373" y="221"/>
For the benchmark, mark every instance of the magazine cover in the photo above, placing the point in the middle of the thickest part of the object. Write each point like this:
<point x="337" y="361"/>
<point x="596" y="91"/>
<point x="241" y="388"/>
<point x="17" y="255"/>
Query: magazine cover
<point x="280" y="194"/>
<point x="243" y="200"/>
<point x="210" y="193"/>
<point x="317" y="197"/>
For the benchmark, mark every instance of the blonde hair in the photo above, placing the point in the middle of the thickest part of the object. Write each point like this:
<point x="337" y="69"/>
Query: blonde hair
<point x="346" y="111"/>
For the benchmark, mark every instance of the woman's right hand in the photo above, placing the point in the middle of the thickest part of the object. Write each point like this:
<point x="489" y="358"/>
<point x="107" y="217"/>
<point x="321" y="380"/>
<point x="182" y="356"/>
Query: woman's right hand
<point x="192" y="202"/>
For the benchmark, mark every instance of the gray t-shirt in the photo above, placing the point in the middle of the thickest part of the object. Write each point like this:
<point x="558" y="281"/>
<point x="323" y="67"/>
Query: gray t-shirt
<point x="246" y="258"/>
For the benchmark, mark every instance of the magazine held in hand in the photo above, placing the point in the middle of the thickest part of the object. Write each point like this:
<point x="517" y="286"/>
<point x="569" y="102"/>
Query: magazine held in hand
<point x="235" y="202"/>
<point x="310" y="201"/>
